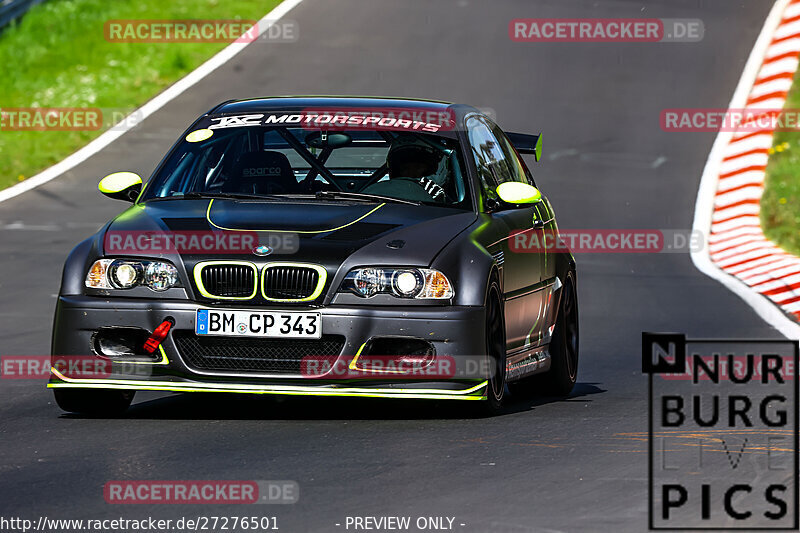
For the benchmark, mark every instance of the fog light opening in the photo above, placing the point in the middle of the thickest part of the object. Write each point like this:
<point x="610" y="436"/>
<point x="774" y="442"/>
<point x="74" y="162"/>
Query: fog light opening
<point x="397" y="353"/>
<point x="119" y="342"/>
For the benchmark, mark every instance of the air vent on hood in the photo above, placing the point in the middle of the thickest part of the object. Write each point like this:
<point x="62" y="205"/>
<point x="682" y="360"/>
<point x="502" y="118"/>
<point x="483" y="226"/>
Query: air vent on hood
<point x="187" y="224"/>
<point x="360" y="231"/>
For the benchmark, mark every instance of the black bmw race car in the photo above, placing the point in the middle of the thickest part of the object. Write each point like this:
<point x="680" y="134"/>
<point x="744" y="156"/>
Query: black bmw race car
<point x="327" y="246"/>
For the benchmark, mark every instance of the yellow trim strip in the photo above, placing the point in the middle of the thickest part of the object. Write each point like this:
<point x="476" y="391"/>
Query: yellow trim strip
<point x="353" y="365"/>
<point x="323" y="278"/>
<point x="208" y="217"/>
<point x="198" y="281"/>
<point x="163" y="361"/>
<point x="295" y="390"/>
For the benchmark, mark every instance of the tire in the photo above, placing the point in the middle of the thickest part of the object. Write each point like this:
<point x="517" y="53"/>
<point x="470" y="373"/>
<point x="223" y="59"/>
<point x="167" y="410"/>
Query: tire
<point x="563" y="373"/>
<point x="497" y="389"/>
<point x="94" y="402"/>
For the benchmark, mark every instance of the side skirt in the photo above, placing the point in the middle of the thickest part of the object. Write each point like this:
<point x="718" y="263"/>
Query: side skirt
<point x="527" y="362"/>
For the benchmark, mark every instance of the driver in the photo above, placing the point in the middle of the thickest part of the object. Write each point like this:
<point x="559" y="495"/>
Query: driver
<point x="411" y="157"/>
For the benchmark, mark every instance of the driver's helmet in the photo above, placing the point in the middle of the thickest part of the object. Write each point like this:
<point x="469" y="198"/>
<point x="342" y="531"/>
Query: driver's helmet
<point x="411" y="157"/>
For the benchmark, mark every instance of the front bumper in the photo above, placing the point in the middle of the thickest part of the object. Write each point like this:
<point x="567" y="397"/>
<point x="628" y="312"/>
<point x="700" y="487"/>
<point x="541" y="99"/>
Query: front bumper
<point x="455" y="331"/>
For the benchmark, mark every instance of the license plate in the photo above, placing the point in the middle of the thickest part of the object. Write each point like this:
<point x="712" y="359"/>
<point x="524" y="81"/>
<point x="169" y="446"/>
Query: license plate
<point x="274" y="324"/>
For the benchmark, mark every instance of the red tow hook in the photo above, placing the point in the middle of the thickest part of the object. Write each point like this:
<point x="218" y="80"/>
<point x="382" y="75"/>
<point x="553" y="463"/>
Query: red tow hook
<point x="160" y="333"/>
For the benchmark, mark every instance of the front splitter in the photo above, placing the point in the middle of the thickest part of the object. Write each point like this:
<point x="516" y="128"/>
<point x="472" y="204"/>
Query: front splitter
<point x="477" y="392"/>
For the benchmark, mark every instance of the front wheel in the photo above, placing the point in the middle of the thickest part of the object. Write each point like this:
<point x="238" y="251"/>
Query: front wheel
<point x="563" y="373"/>
<point x="94" y="402"/>
<point x="497" y="388"/>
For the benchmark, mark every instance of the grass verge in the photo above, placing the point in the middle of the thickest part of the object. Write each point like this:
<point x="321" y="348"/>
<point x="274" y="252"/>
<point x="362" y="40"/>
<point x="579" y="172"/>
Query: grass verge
<point x="780" y="204"/>
<point x="58" y="56"/>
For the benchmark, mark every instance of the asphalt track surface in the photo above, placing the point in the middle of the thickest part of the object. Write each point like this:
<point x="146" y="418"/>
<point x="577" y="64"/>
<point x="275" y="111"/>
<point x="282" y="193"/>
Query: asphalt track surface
<point x="544" y="465"/>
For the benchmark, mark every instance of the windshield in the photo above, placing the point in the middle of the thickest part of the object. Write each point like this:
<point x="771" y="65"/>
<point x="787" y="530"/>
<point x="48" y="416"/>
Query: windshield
<point x="284" y="161"/>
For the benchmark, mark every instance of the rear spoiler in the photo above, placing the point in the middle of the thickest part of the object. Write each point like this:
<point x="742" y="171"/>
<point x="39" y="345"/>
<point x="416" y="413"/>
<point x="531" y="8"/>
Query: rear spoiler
<point x="527" y="144"/>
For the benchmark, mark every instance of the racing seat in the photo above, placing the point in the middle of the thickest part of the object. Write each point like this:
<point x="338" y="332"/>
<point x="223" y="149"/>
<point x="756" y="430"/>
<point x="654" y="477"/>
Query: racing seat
<point x="264" y="172"/>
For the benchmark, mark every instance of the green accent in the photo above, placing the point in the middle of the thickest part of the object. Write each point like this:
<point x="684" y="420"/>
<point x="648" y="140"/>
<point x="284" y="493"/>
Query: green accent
<point x="118" y="182"/>
<point x="323" y="277"/>
<point x="164" y="360"/>
<point x="515" y="192"/>
<point x="208" y="217"/>
<point x="294" y="390"/>
<point x="199" y="135"/>
<point x="353" y="365"/>
<point x="198" y="268"/>
<point x="537" y="153"/>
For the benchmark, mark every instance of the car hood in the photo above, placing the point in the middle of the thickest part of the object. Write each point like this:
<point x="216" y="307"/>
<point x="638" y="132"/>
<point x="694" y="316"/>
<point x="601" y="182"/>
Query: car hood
<point x="323" y="232"/>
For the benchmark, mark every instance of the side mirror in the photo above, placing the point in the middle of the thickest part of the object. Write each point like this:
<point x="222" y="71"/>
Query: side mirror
<point x="121" y="186"/>
<point x="517" y="193"/>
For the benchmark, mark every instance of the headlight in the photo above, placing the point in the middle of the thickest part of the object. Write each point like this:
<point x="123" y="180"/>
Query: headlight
<point x="160" y="276"/>
<point x="368" y="282"/>
<point x="418" y="283"/>
<point x="125" y="274"/>
<point x="407" y="283"/>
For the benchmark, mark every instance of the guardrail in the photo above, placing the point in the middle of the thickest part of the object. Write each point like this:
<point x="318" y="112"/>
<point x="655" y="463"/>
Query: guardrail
<point x="13" y="9"/>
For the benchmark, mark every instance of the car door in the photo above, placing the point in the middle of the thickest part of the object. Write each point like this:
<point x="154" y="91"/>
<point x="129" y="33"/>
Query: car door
<point x="521" y="270"/>
<point x="544" y="222"/>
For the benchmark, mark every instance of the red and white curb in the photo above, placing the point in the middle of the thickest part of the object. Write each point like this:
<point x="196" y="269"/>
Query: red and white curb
<point x="727" y="211"/>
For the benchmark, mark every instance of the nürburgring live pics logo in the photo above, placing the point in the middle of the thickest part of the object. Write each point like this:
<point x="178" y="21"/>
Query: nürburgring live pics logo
<point x="723" y="433"/>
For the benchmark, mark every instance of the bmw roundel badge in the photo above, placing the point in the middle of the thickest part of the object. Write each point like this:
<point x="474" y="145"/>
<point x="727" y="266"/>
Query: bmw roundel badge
<point x="262" y="250"/>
